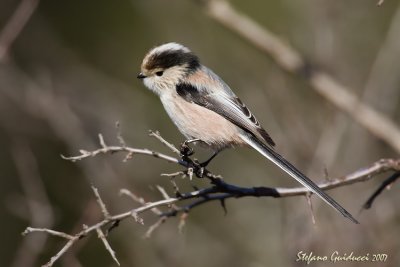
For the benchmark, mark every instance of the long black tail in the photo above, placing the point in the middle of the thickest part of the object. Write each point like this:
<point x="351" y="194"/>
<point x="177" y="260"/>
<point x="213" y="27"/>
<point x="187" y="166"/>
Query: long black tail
<point x="285" y="165"/>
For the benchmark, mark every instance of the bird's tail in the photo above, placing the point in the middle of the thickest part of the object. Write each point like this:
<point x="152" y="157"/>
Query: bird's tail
<point x="282" y="163"/>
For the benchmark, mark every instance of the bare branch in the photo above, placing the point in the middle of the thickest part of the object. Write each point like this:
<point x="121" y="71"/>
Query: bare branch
<point x="62" y="251"/>
<point x="29" y="230"/>
<point x="15" y="25"/>
<point x="101" y="140"/>
<point x="163" y="192"/>
<point x="157" y="135"/>
<point x="173" y="175"/>
<point x="114" y="149"/>
<point x="309" y="202"/>
<point x="88" y="229"/>
<point x="103" y="207"/>
<point x="101" y="235"/>
<point x="138" y="199"/>
<point x="154" y="226"/>
<point x="119" y="134"/>
<point x="218" y="191"/>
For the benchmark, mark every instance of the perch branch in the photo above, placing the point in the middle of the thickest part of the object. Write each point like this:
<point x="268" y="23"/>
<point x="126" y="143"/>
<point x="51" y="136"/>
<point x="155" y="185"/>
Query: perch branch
<point x="218" y="191"/>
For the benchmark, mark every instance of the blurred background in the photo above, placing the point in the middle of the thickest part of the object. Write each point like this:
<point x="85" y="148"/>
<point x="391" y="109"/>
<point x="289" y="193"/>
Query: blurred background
<point x="71" y="74"/>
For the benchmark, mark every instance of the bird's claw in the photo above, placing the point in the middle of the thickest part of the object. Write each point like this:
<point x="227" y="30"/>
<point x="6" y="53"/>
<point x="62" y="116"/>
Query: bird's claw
<point x="185" y="149"/>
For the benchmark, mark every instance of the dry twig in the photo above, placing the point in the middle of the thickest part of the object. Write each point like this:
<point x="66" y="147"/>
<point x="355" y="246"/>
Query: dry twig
<point x="101" y="236"/>
<point x="72" y="239"/>
<point x="157" y="135"/>
<point x="112" y="149"/>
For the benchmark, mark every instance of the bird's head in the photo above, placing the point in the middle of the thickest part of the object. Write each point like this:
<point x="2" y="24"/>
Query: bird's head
<point x="166" y="65"/>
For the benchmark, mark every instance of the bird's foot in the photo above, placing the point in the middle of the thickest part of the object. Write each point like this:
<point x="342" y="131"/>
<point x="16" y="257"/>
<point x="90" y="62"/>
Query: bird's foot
<point x="185" y="149"/>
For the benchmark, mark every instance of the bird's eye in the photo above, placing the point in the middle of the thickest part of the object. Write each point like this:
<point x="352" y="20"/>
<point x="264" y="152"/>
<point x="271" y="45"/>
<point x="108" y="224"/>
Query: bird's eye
<point x="159" y="73"/>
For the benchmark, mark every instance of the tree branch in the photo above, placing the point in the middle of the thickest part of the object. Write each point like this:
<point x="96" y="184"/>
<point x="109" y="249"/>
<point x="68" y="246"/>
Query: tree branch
<point x="218" y="190"/>
<point x="112" y="149"/>
<point x="15" y="25"/>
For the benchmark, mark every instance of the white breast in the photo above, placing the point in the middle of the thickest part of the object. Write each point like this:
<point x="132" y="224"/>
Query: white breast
<point x="195" y="121"/>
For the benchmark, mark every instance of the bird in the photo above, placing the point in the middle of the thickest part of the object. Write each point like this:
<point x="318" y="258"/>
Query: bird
<point x="204" y="108"/>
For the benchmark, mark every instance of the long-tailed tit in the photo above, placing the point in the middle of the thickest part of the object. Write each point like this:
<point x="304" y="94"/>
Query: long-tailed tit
<point x="203" y="107"/>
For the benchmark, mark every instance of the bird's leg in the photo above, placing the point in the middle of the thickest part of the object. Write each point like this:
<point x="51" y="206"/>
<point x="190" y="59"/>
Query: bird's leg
<point x="189" y="141"/>
<point x="205" y="163"/>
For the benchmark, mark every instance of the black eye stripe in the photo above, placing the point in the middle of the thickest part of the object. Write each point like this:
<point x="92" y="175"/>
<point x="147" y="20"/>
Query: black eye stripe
<point x="159" y="73"/>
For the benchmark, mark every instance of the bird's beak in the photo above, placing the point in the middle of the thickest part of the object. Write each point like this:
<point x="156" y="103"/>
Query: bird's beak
<point x="141" y="76"/>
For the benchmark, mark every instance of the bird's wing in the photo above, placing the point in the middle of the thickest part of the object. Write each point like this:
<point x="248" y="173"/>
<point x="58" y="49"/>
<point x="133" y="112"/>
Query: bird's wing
<point x="228" y="106"/>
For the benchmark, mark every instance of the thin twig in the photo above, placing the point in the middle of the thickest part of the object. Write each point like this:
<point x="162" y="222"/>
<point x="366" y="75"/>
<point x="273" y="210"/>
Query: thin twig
<point x="310" y="205"/>
<point x="163" y="192"/>
<point x="113" y="149"/>
<point x="101" y="235"/>
<point x="102" y="142"/>
<point x="61" y="252"/>
<point x="29" y="230"/>
<point x="137" y="199"/>
<point x="154" y="226"/>
<point x="103" y="207"/>
<point x="119" y="134"/>
<point x="166" y="196"/>
<point x="157" y="135"/>
<point x="173" y="175"/>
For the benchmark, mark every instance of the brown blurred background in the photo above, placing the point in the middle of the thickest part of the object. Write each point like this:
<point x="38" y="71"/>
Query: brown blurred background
<point x="71" y="74"/>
